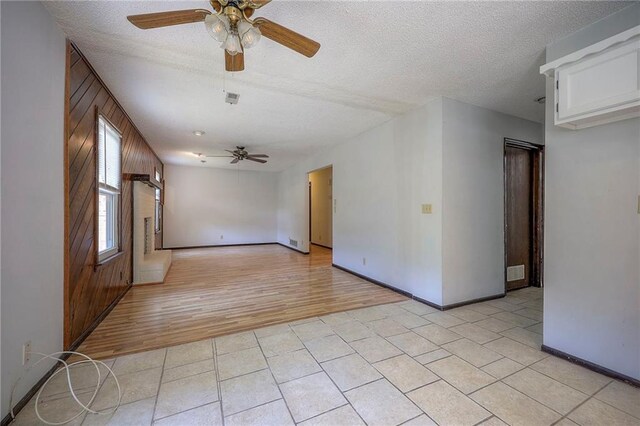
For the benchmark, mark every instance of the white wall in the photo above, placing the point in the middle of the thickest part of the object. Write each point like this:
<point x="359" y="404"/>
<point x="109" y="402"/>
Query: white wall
<point x="592" y="235"/>
<point x="202" y="204"/>
<point x="473" y="228"/>
<point x="33" y="73"/>
<point x="380" y="179"/>
<point x="448" y="154"/>
<point x="321" y="206"/>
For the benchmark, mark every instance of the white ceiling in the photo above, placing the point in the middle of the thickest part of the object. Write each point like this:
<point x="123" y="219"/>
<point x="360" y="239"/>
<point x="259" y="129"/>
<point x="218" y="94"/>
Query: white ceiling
<point x="377" y="60"/>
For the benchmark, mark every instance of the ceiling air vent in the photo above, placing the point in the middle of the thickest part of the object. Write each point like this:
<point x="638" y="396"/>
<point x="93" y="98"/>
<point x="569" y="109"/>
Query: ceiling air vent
<point x="232" y="98"/>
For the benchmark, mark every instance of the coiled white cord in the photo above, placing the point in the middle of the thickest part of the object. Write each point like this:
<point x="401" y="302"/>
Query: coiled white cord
<point x="85" y="408"/>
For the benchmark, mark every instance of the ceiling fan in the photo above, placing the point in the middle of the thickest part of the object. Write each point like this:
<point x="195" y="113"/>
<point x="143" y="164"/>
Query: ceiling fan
<point x="240" y="154"/>
<point x="231" y="25"/>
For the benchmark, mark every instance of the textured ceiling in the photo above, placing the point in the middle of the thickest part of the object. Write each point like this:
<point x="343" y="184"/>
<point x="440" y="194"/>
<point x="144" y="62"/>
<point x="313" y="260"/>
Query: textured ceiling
<point x="377" y="60"/>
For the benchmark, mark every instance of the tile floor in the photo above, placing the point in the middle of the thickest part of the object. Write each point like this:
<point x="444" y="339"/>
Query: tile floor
<point x="403" y="363"/>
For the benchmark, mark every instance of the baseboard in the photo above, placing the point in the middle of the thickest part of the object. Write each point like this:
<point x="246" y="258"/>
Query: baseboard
<point x="591" y="366"/>
<point x="32" y="392"/>
<point x="75" y="345"/>
<point x="218" y="245"/>
<point x="373" y="281"/>
<point x="469" y="302"/>
<point x="426" y="302"/>
<point x="236" y="245"/>
<point x="412" y="296"/>
<point x="292" y="248"/>
<point x="322" y="245"/>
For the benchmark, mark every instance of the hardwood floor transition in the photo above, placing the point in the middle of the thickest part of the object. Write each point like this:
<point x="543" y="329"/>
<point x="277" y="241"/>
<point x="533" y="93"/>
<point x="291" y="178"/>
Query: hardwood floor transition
<point x="215" y="291"/>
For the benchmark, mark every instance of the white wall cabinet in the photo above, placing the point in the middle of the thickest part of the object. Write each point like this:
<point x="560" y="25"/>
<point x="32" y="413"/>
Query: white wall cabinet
<point x="598" y="84"/>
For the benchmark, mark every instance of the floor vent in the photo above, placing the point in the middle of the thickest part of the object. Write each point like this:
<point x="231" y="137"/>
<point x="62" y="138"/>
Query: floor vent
<point x="293" y="243"/>
<point x="515" y="273"/>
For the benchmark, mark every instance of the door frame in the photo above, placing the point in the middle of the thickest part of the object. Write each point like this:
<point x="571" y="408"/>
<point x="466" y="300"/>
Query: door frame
<point x="309" y="217"/>
<point x="537" y="232"/>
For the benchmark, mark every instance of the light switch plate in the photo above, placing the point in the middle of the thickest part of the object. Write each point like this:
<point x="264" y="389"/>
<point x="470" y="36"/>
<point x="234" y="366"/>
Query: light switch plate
<point x="426" y="209"/>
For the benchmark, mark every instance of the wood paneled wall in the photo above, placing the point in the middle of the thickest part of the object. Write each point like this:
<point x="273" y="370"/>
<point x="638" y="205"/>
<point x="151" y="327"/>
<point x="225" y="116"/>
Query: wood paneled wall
<point x="91" y="290"/>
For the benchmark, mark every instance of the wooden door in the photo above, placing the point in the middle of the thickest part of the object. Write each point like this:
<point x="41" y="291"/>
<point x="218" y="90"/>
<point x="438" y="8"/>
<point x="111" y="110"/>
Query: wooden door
<point x="519" y="216"/>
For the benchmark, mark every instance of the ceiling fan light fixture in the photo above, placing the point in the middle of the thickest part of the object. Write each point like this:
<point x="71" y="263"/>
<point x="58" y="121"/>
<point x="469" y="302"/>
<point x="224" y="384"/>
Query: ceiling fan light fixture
<point x="217" y="26"/>
<point x="229" y="23"/>
<point x="249" y="35"/>
<point x="232" y="44"/>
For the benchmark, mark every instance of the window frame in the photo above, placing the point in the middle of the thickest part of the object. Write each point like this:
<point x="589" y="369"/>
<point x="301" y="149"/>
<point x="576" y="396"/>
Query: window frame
<point x="114" y="252"/>
<point x="158" y="202"/>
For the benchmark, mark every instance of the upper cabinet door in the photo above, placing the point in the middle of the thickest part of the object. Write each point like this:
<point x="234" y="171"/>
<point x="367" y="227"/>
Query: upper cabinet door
<point x="598" y="84"/>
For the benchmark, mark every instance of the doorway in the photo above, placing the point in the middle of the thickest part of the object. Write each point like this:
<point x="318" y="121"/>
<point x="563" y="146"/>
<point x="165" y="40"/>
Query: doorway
<point x="523" y="214"/>
<point x="321" y="207"/>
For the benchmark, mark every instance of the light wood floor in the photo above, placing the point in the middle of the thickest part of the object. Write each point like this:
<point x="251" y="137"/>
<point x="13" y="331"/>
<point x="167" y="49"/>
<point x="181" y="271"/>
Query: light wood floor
<point x="216" y="291"/>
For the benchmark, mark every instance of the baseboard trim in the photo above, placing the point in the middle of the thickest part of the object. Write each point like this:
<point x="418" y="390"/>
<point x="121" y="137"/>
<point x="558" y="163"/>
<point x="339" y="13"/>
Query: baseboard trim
<point x="373" y="281"/>
<point x="32" y="392"/>
<point x="218" y="245"/>
<point x="469" y="302"/>
<point x="75" y="345"/>
<point x="591" y="366"/>
<point x="322" y="245"/>
<point x="292" y="248"/>
<point x="414" y="297"/>
<point x="236" y="245"/>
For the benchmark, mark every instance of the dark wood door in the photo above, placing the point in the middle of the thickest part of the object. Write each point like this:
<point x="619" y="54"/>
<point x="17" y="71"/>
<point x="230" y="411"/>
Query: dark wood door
<point x="518" y="216"/>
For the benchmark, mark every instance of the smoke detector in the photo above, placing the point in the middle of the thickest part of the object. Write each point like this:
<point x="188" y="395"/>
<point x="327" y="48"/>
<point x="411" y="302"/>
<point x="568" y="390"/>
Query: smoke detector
<point x="231" y="98"/>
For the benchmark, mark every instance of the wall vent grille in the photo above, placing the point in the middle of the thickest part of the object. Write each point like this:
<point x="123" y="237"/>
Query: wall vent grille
<point x="515" y="273"/>
<point x="293" y="243"/>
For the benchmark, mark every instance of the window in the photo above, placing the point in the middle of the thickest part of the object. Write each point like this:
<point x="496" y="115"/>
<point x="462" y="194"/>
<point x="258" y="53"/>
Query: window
<point x="158" y="218"/>
<point x="109" y="184"/>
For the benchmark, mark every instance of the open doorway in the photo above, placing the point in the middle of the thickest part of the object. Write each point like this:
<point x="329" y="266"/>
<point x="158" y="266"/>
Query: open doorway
<point x="523" y="214"/>
<point x="321" y="207"/>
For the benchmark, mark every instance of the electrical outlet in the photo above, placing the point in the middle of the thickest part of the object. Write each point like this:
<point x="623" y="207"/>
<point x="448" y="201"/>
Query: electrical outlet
<point x="26" y="353"/>
<point x="426" y="209"/>
<point x="222" y="237"/>
<point x="364" y="261"/>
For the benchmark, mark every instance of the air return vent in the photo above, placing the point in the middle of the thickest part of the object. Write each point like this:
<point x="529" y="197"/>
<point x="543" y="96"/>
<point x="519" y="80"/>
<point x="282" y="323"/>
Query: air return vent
<point x="232" y="98"/>
<point x="515" y="273"/>
<point x="293" y="243"/>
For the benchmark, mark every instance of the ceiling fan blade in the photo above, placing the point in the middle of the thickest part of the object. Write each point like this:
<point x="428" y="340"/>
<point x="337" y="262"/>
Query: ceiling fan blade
<point x="166" y="19"/>
<point x="233" y="63"/>
<point x="287" y="37"/>
<point x="219" y="156"/>
<point x="259" y="155"/>
<point x="216" y="5"/>
<point x="257" y="160"/>
<point x="235" y="160"/>
<point x="257" y="4"/>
